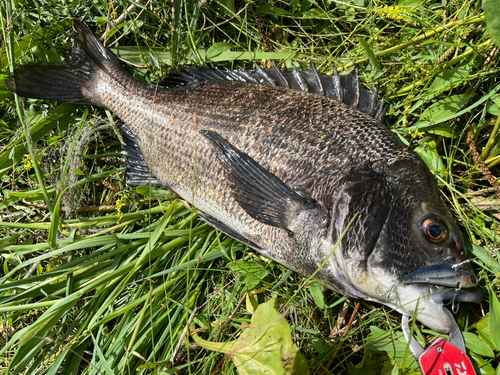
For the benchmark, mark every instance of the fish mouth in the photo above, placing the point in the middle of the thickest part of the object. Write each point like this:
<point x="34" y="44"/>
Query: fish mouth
<point x="446" y="295"/>
<point x="427" y="302"/>
<point x="425" y="292"/>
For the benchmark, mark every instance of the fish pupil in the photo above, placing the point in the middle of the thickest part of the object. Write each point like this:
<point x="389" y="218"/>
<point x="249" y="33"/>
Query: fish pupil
<point x="435" y="231"/>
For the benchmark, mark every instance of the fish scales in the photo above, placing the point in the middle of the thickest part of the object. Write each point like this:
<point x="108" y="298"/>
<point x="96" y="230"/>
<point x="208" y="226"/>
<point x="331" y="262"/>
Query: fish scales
<point x="293" y="174"/>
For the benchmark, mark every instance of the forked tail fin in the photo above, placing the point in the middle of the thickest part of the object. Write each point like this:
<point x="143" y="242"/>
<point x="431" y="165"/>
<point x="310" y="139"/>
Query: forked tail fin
<point x="71" y="81"/>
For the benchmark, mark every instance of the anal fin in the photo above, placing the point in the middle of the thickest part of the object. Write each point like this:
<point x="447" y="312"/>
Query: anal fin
<point x="138" y="171"/>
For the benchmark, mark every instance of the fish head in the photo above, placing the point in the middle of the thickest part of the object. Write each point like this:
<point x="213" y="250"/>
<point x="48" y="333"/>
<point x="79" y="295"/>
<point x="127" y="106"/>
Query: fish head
<point x="401" y="247"/>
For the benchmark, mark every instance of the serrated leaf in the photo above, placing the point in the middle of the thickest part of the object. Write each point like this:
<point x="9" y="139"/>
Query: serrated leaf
<point x="266" y="347"/>
<point x="217" y="48"/>
<point x="492" y="17"/>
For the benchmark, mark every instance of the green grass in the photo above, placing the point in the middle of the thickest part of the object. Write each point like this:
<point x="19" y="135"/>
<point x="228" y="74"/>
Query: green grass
<point x="93" y="286"/>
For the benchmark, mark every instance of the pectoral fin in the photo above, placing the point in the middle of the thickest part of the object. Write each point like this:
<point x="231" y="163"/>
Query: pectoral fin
<point x="260" y="193"/>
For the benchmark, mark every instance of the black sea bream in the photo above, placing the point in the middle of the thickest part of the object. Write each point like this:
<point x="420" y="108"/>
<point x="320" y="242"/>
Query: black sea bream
<point x="278" y="161"/>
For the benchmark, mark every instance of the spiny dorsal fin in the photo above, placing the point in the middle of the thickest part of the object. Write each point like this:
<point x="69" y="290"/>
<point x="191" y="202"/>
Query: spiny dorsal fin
<point x="259" y="192"/>
<point x="342" y="88"/>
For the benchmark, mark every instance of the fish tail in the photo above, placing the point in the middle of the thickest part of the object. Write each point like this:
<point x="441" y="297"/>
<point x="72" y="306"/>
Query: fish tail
<point x="75" y="79"/>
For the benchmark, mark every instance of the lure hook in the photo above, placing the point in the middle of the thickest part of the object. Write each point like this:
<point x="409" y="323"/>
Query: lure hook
<point x="454" y="303"/>
<point x="388" y="297"/>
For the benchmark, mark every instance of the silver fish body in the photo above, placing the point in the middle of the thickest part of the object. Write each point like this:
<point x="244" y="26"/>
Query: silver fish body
<point x="300" y="177"/>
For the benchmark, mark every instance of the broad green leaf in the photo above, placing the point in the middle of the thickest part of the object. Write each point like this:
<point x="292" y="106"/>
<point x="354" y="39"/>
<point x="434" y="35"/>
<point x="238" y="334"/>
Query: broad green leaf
<point x="217" y="48"/>
<point x="392" y="343"/>
<point x="136" y="55"/>
<point x="439" y="111"/>
<point x="494" y="318"/>
<point x="483" y="330"/>
<point x="408" y="3"/>
<point x="152" y="192"/>
<point x="251" y="303"/>
<point x="266" y="347"/>
<point x="495" y="105"/>
<point x="227" y="7"/>
<point x="485" y="367"/>
<point x="251" y="273"/>
<point x="371" y="56"/>
<point x="27" y="42"/>
<point x="316" y="291"/>
<point x="483" y="255"/>
<point x="476" y="345"/>
<point x="275" y="11"/>
<point x="430" y="155"/>
<point x="371" y="363"/>
<point x="448" y="79"/>
<point x="492" y="17"/>
<point x="320" y="345"/>
<point x="4" y="92"/>
<point x="54" y="140"/>
<point x="316" y="13"/>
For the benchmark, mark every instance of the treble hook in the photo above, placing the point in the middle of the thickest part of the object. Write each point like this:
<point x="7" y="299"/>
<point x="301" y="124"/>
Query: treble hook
<point x="454" y="307"/>
<point x="387" y="294"/>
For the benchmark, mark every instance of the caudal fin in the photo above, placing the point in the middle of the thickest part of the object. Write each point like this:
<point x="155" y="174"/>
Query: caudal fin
<point x="72" y="80"/>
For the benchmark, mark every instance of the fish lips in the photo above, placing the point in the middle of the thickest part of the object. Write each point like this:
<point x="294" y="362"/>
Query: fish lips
<point x="434" y="287"/>
<point x="445" y="295"/>
<point x="428" y="300"/>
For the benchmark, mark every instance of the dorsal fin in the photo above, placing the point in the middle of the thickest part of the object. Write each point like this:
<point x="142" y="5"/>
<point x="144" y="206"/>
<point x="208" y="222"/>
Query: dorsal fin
<point x="343" y="88"/>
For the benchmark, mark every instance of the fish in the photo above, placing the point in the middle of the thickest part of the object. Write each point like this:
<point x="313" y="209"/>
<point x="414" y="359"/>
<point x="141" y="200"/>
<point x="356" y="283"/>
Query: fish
<point x="297" y="165"/>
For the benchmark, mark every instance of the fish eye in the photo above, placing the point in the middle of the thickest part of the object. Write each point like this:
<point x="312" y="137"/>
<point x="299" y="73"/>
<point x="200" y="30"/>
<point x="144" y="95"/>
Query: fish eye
<point x="434" y="230"/>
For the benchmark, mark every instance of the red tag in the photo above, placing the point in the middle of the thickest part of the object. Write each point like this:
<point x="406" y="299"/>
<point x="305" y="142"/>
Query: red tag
<point x="444" y="358"/>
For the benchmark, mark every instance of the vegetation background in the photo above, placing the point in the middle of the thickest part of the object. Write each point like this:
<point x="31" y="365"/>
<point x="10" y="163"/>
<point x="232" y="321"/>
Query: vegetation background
<point x="101" y="278"/>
